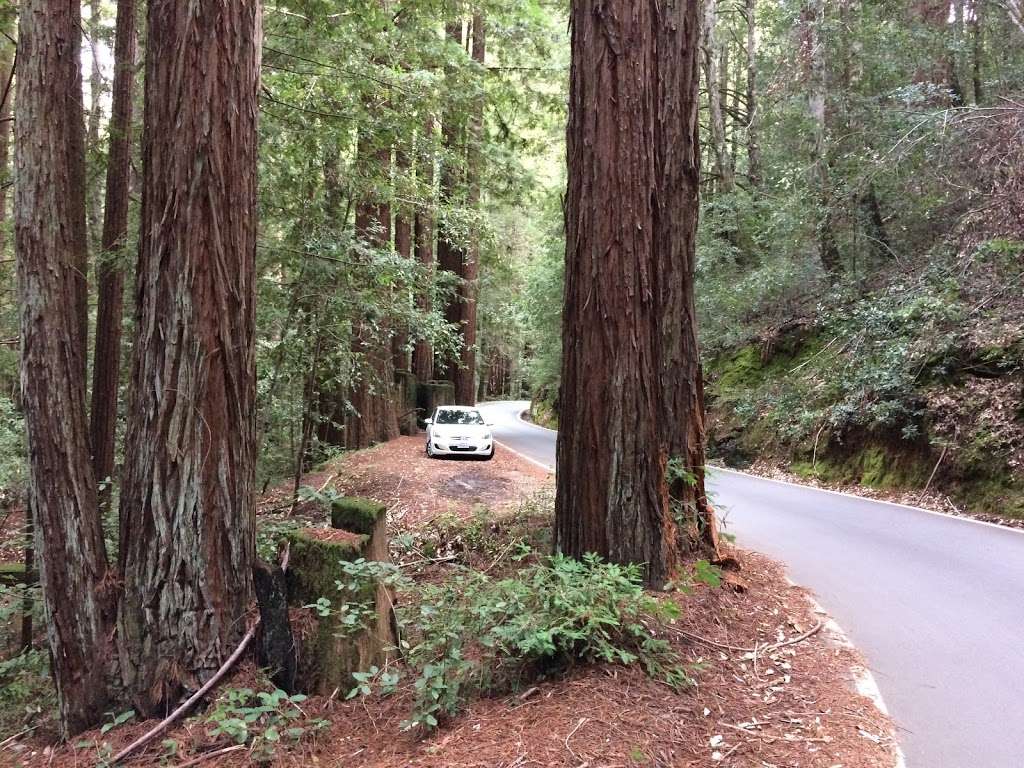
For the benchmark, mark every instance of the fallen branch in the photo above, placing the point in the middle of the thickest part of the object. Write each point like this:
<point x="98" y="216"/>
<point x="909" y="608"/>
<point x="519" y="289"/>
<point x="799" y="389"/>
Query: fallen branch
<point x="208" y="755"/>
<point x="756" y="649"/>
<point x="166" y="722"/>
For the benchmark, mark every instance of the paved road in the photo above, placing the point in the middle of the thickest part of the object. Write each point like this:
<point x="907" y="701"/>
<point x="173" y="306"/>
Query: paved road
<point x="935" y="603"/>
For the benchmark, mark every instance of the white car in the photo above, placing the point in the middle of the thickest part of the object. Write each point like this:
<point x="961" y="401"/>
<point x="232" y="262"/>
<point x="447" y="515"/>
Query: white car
<point x="458" y="430"/>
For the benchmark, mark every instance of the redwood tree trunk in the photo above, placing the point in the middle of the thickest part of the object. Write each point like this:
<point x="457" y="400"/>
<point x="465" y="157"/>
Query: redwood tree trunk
<point x="423" y="353"/>
<point x="372" y="417"/>
<point x="187" y="534"/>
<point x="464" y="377"/>
<point x="106" y="373"/>
<point x="631" y="396"/>
<point x="450" y="254"/>
<point x="404" y="248"/>
<point x="50" y="242"/>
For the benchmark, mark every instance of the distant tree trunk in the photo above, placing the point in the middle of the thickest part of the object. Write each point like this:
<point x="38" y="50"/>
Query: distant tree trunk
<point x="106" y="373"/>
<point x="50" y="242"/>
<point x="712" y="78"/>
<point x="404" y="248"/>
<point x="423" y="354"/>
<point x="188" y="515"/>
<point x="372" y="418"/>
<point x="6" y="99"/>
<point x="93" y="193"/>
<point x="631" y="392"/>
<point x="465" y="375"/>
<point x="1015" y="8"/>
<point x="977" y="50"/>
<point x="955" y="55"/>
<point x="813" y="56"/>
<point x="753" y="132"/>
<point x="450" y="254"/>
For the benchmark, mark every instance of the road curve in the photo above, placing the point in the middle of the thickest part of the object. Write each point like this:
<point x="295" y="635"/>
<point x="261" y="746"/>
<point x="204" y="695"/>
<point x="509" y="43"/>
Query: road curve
<point x="935" y="603"/>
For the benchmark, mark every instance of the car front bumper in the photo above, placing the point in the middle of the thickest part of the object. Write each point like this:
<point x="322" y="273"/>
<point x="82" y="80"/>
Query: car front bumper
<point x="474" y="448"/>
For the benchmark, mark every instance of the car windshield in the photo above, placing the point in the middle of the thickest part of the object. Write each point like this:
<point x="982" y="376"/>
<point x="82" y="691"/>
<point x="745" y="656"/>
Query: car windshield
<point x="459" y="417"/>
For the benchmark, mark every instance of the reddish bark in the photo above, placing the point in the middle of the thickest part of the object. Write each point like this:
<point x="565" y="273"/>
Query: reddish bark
<point x="404" y="248"/>
<point x="188" y="541"/>
<point x="106" y="373"/>
<point x="50" y="242"/>
<point x="450" y="253"/>
<point x="631" y="394"/>
<point x="371" y="416"/>
<point x="423" y="353"/>
<point x="464" y="376"/>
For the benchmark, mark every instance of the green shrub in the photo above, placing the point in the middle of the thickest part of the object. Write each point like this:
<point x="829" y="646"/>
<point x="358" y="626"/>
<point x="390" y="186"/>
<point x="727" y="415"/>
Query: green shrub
<point x="474" y="634"/>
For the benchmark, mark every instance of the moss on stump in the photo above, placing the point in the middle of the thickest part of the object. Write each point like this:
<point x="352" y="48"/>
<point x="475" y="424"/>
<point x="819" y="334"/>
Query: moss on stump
<point x="355" y="514"/>
<point x="329" y="651"/>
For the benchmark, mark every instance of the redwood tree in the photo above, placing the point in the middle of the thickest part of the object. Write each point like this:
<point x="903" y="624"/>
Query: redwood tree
<point x="464" y="375"/>
<point x="50" y="243"/>
<point x="187" y="501"/>
<point x="631" y="385"/>
<point x="423" y="353"/>
<point x="106" y="372"/>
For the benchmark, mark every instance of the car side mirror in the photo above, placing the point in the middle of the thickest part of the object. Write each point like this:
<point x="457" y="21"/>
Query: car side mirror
<point x="428" y="421"/>
<point x="489" y="424"/>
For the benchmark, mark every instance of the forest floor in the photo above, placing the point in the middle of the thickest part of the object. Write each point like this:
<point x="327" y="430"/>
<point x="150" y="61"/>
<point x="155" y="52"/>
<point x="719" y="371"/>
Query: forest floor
<point x="774" y="687"/>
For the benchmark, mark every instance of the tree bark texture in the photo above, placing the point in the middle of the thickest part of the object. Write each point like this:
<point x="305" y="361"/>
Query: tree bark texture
<point x="631" y="392"/>
<point x="450" y="254"/>
<point x="50" y="242"/>
<point x="188" y="542"/>
<point x="464" y="376"/>
<point x="106" y="373"/>
<point x="423" y="353"/>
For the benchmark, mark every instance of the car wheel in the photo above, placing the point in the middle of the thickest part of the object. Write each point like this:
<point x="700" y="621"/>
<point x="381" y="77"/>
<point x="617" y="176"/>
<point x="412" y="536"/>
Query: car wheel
<point x="430" y="450"/>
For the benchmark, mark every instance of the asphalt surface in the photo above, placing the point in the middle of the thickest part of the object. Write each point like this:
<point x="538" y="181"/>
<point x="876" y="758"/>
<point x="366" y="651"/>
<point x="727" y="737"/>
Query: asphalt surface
<point x="935" y="603"/>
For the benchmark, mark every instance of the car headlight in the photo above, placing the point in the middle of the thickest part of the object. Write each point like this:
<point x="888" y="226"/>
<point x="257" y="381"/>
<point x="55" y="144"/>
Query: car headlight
<point x="487" y="435"/>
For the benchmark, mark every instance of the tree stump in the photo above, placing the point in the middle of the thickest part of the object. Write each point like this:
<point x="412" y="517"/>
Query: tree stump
<point x="329" y="650"/>
<point x="405" y="395"/>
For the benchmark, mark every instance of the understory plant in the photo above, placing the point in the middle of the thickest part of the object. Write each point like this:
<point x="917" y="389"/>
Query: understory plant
<point x="474" y="634"/>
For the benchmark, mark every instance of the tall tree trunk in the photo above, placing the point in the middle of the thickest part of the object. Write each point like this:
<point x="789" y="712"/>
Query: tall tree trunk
<point x="93" y="193"/>
<point x="50" y="242"/>
<point x="465" y="375"/>
<point x="7" y="49"/>
<point x="404" y="248"/>
<point x="372" y="417"/>
<point x="813" y="56"/>
<point x="423" y="354"/>
<point x="712" y="78"/>
<point x="188" y="515"/>
<point x="753" y="132"/>
<point x="977" y="50"/>
<point x="106" y="372"/>
<point x="450" y="254"/>
<point x="631" y="397"/>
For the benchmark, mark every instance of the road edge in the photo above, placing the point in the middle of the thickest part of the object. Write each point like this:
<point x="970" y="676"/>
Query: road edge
<point x="864" y="680"/>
